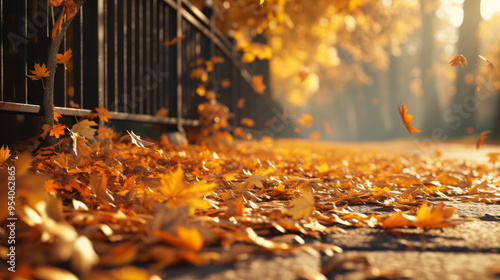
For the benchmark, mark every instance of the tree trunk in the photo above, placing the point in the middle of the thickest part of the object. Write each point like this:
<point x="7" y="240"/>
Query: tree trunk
<point x="468" y="46"/>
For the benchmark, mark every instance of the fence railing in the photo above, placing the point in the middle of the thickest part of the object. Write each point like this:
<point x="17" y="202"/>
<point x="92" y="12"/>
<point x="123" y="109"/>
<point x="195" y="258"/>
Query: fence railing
<point x="119" y="61"/>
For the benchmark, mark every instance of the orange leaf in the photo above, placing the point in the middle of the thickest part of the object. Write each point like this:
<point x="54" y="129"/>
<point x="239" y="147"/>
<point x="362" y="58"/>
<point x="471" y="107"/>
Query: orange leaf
<point x="64" y="58"/>
<point x="493" y="157"/>
<point x="327" y="127"/>
<point x="482" y="137"/>
<point x="174" y="40"/>
<point x="58" y="25"/>
<point x="217" y="59"/>
<point x="258" y="84"/>
<point x="436" y="218"/>
<point x="56" y="115"/>
<point x="241" y="103"/>
<point x="225" y="83"/>
<point x="70" y="9"/>
<point x="39" y="72"/>
<point x="395" y="220"/>
<point x="4" y="154"/>
<point x="58" y="130"/>
<point x="407" y="119"/>
<point x="247" y="122"/>
<point x="306" y="120"/>
<point x="103" y="114"/>
<point x="490" y="65"/>
<point x="177" y="193"/>
<point x="186" y="238"/>
<point x="55" y="3"/>
<point x="315" y="135"/>
<point x="458" y="60"/>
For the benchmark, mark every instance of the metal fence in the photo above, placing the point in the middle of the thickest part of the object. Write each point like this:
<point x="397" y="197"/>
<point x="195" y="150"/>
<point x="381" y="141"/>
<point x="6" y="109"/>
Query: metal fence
<point x="119" y="61"/>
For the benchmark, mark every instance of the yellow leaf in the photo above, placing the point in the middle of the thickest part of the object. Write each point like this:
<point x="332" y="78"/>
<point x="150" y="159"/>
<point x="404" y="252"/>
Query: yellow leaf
<point x="4" y="154"/>
<point x="396" y="220"/>
<point x="178" y="194"/>
<point x="58" y="130"/>
<point x="302" y="208"/>
<point x="65" y="57"/>
<point x="186" y="238"/>
<point x="436" y="218"/>
<point x="306" y="120"/>
<point x="103" y="114"/>
<point x="83" y="128"/>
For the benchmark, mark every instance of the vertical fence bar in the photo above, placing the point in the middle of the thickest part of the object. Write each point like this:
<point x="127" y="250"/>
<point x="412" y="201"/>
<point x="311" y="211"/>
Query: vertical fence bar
<point x="115" y="66"/>
<point x="1" y="50"/>
<point x="101" y="51"/>
<point x="147" y="54"/>
<point x="20" y="88"/>
<point x="140" y="64"/>
<point x="125" y="56"/>
<point x="133" y="58"/>
<point x="179" y="67"/>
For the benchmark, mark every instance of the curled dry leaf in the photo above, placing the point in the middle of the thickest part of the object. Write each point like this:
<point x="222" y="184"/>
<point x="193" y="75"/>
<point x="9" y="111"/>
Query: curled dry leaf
<point x="458" y="60"/>
<point x="481" y="138"/>
<point x="407" y="119"/>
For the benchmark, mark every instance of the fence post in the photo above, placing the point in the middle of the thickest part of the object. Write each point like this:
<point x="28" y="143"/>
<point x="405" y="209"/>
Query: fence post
<point x="179" y="67"/>
<point x="101" y="48"/>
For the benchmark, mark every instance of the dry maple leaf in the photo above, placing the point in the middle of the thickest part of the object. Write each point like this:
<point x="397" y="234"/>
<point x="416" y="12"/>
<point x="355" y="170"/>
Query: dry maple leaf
<point x="174" y="40"/>
<point x="84" y="128"/>
<point x="303" y="207"/>
<point x="58" y="130"/>
<point x="39" y="72"/>
<point x="136" y="140"/>
<point x="306" y="120"/>
<point x="70" y="9"/>
<point x="490" y="65"/>
<point x="438" y="217"/>
<point x="396" y="220"/>
<point x="4" y="154"/>
<point x="258" y="84"/>
<point x="458" y="60"/>
<point x="481" y="138"/>
<point x="56" y="115"/>
<point x="407" y="119"/>
<point x="55" y="3"/>
<point x="103" y="114"/>
<point x="178" y="193"/>
<point x="65" y="57"/>
<point x="58" y="25"/>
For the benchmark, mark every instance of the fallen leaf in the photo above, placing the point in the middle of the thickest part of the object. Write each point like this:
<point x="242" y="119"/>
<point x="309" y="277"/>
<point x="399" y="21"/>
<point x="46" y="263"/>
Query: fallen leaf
<point x="438" y="217"/>
<point x="56" y="115"/>
<point x="303" y="207"/>
<point x="4" y="154"/>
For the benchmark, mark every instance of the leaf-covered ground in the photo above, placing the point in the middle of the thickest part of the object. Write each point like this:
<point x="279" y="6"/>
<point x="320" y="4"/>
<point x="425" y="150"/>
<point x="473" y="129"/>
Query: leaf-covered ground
<point x="118" y="206"/>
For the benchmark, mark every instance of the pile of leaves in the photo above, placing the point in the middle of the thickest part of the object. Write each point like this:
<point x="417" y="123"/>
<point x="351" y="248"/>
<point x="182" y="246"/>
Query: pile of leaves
<point x="98" y="204"/>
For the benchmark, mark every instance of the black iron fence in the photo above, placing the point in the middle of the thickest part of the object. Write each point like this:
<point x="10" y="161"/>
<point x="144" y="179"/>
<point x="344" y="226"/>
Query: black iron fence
<point x="120" y="61"/>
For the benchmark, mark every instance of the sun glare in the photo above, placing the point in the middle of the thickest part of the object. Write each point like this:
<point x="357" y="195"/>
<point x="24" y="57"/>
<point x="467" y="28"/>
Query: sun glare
<point x="489" y="8"/>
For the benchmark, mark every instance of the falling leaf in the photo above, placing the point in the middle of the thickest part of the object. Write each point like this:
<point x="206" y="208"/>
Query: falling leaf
<point x="407" y="119"/>
<point x="64" y="58"/>
<point x="303" y="207"/>
<point x="303" y="75"/>
<point x="247" y="122"/>
<point x="481" y="138"/>
<point x="84" y="128"/>
<point x="174" y="40"/>
<point x="58" y="130"/>
<point x="103" y="114"/>
<point x="458" y="60"/>
<point x="226" y="83"/>
<point x="4" y="154"/>
<point x="241" y="103"/>
<point x="56" y="115"/>
<point x="258" y="84"/>
<point x="39" y="72"/>
<point x="217" y="59"/>
<point x="177" y="193"/>
<point x="315" y="135"/>
<point x="490" y="65"/>
<point x="438" y="217"/>
<point x="306" y="120"/>
<point x="327" y="127"/>
<point x="200" y="74"/>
